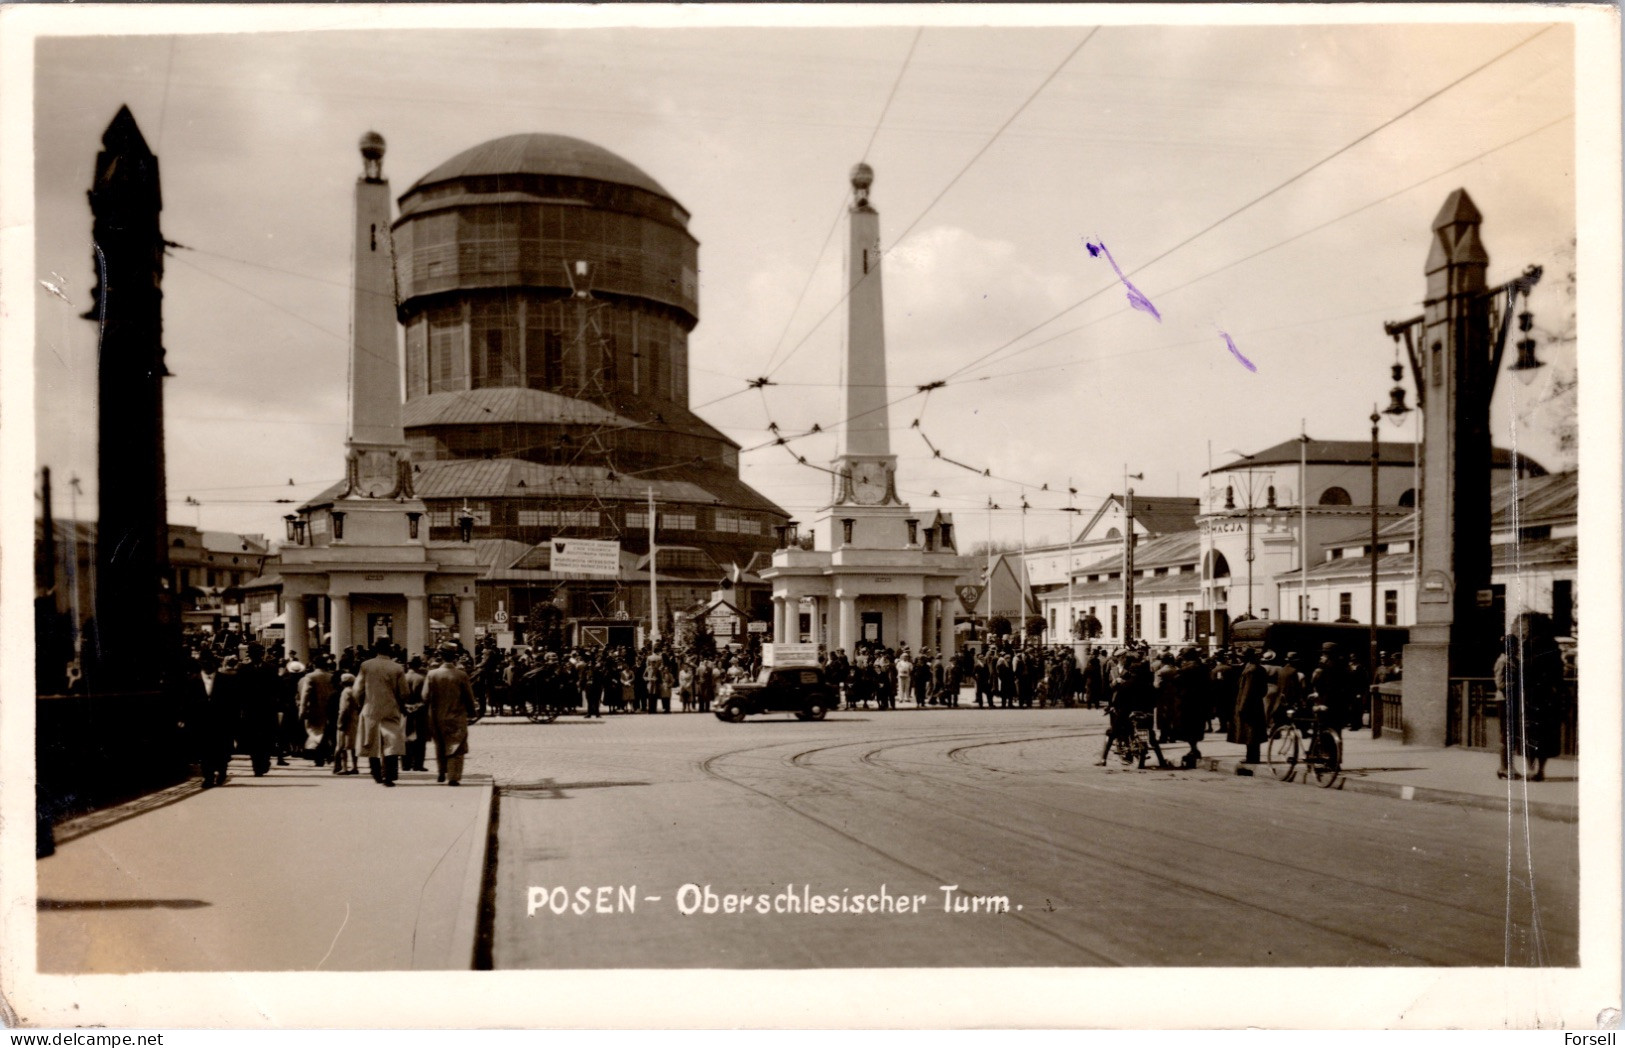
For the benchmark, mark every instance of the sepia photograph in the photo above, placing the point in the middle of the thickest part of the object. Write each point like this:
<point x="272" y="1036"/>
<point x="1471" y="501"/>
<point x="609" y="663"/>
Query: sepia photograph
<point x="1033" y="505"/>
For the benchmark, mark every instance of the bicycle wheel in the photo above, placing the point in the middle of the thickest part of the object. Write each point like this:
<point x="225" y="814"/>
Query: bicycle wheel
<point x="1282" y="752"/>
<point x="1325" y="757"/>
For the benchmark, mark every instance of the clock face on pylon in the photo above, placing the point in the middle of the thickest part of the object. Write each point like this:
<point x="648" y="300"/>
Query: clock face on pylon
<point x="376" y="474"/>
<point x="870" y="483"/>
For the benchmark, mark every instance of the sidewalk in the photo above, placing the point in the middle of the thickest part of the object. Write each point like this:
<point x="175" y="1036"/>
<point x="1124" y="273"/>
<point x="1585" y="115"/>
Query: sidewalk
<point x="1448" y="775"/>
<point x="296" y="871"/>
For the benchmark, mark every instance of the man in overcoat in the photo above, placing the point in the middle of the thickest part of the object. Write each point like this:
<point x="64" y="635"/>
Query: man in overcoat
<point x="380" y="685"/>
<point x="449" y="698"/>
<point x="417" y="717"/>
<point x="1252" y="722"/>
<point x="212" y="717"/>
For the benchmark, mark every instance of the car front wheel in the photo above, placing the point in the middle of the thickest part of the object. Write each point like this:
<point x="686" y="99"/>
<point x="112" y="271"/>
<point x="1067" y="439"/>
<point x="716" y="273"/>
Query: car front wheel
<point x="815" y="712"/>
<point x="733" y="712"/>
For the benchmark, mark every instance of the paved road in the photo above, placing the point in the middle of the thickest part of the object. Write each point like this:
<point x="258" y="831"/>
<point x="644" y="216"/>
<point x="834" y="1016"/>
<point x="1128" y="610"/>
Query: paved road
<point x="1098" y="866"/>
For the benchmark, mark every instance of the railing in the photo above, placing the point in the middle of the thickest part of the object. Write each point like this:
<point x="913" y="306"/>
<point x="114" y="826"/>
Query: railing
<point x="1387" y="711"/>
<point x="1474" y="714"/>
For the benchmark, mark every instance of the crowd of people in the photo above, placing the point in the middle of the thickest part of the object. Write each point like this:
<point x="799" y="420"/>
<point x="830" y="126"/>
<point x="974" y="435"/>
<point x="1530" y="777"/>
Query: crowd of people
<point x="383" y="705"/>
<point x="387" y="705"/>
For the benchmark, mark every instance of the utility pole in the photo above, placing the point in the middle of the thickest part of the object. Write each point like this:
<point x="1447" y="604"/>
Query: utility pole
<point x="1303" y="518"/>
<point x="1128" y="555"/>
<point x="1025" y="598"/>
<point x="654" y="594"/>
<point x="1371" y="663"/>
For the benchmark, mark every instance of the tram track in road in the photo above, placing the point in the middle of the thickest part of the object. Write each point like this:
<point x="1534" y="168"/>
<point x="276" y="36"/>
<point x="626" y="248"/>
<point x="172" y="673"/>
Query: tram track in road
<point x="873" y="759"/>
<point x="1106" y="868"/>
<point x="708" y="766"/>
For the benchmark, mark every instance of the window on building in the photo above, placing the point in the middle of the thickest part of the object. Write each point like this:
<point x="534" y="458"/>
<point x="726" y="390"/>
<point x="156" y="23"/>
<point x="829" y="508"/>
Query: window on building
<point x="678" y="521"/>
<point x="1190" y="618"/>
<point x="560" y="518"/>
<point x="1563" y="607"/>
<point x="1162" y="621"/>
<point x="494" y="331"/>
<point x="1114" y="622"/>
<point x="417" y="357"/>
<point x="1335" y="497"/>
<point x="1052" y="621"/>
<point x="447" y="370"/>
<point x="1139" y="620"/>
<point x="637" y="520"/>
<point x="438" y="517"/>
<point x="1345" y="605"/>
<point x="211" y="577"/>
<point x="1390" y="607"/>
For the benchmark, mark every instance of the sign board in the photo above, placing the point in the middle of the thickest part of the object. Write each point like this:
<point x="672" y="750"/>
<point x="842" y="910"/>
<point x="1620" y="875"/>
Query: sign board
<point x="789" y="654"/>
<point x="871" y="631"/>
<point x="500" y="617"/>
<point x="594" y="637"/>
<point x="504" y="639"/>
<point x="969" y="596"/>
<point x="757" y="627"/>
<point x="585" y="556"/>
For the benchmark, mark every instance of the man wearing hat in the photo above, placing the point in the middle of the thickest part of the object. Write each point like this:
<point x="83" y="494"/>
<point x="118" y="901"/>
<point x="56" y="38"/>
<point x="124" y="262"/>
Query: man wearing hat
<point x="1252" y="720"/>
<point x="1330" y="683"/>
<point x="380" y="685"/>
<point x="448" y="697"/>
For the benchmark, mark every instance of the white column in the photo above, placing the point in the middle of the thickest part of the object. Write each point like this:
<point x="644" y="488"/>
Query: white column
<point x="341" y="622"/>
<point x="293" y="613"/>
<point x="847" y="626"/>
<point x="913" y="611"/>
<point x="945" y="628"/>
<point x="778" y="619"/>
<point x="928" y="626"/>
<point x="465" y="621"/>
<point x="417" y="624"/>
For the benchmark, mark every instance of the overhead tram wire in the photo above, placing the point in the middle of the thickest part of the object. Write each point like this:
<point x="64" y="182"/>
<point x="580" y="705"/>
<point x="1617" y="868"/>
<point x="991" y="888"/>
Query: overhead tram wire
<point x="840" y="206"/>
<point x="1266" y="250"/>
<point x="1258" y="199"/>
<point x="944" y="191"/>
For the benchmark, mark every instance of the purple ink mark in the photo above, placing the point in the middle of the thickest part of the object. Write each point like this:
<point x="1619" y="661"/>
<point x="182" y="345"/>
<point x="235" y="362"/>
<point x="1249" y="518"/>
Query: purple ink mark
<point x="1135" y="298"/>
<point x="1230" y="345"/>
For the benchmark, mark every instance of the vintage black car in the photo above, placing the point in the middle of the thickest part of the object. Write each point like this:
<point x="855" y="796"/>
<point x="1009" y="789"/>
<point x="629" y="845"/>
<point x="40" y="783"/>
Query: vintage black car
<point x="801" y="690"/>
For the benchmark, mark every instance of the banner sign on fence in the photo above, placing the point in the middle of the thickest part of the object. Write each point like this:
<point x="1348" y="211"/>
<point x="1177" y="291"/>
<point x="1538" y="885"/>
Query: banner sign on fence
<point x="585" y="556"/>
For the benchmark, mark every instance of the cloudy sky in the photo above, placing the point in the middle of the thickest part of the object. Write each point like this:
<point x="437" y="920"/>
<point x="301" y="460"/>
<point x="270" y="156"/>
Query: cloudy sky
<point x="1002" y="152"/>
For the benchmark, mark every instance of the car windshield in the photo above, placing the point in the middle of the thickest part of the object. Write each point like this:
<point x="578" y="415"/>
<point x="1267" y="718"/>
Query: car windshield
<point x="767" y="671"/>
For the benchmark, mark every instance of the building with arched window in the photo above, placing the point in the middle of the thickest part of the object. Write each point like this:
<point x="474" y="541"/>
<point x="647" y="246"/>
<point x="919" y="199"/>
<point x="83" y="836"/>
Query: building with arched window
<point x="1241" y="549"/>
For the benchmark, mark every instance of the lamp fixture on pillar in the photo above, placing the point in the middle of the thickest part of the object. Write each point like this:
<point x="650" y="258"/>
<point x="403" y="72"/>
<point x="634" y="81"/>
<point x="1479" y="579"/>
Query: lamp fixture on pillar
<point x="1527" y="363"/>
<point x="338" y="525"/>
<point x="1397" y="408"/>
<point x="412" y="524"/>
<point x="296" y="529"/>
<point x="792" y="532"/>
<point x="846" y="528"/>
<point x="465" y="523"/>
<point x="913" y="531"/>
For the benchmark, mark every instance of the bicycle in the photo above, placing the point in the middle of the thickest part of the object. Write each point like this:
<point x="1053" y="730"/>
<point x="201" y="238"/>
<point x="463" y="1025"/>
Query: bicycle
<point x="1136" y="747"/>
<point x="1302" y="737"/>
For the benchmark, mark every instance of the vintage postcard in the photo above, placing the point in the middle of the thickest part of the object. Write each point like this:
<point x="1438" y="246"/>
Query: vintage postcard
<point x="1070" y="514"/>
